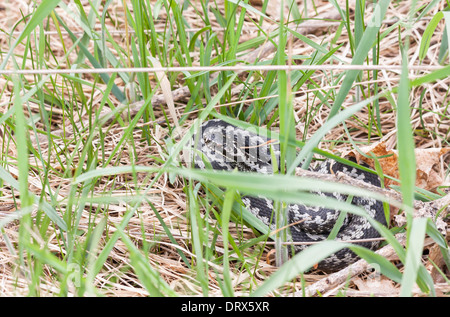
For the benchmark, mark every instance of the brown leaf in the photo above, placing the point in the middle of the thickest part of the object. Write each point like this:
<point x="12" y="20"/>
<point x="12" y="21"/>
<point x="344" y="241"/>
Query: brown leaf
<point x="427" y="177"/>
<point x="426" y="162"/>
<point x="435" y="255"/>
<point x="378" y="286"/>
<point x="388" y="164"/>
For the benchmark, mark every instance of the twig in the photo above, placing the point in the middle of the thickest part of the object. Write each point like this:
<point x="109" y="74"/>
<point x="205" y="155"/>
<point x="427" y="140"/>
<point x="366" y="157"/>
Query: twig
<point x="334" y="279"/>
<point x="421" y="209"/>
<point x="240" y="68"/>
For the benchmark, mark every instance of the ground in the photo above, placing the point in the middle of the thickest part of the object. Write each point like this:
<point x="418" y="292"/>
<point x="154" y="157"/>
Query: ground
<point x="127" y="232"/>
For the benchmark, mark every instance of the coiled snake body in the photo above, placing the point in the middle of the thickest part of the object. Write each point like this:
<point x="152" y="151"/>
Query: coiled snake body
<point x="227" y="147"/>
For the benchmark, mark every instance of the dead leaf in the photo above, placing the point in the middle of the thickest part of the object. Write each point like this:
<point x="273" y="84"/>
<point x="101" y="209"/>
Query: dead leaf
<point x="435" y="255"/>
<point x="270" y="257"/>
<point x="378" y="286"/>
<point x="427" y="160"/>
<point x="167" y="92"/>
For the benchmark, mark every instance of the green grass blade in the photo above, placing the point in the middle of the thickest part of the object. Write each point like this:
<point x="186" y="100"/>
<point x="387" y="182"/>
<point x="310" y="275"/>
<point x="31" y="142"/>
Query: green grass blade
<point x="42" y="11"/>
<point x="198" y="239"/>
<point x="226" y="212"/>
<point x="434" y="233"/>
<point x="428" y="34"/>
<point x="168" y="233"/>
<point x="447" y="27"/>
<point x="103" y="255"/>
<point x="306" y="259"/>
<point x="300" y="263"/>
<point x="366" y="43"/>
<point x="250" y="8"/>
<point x="427" y="9"/>
<point x="286" y="112"/>
<point x="241" y="212"/>
<point x="380" y="263"/>
<point x="413" y="255"/>
<point x="46" y="257"/>
<point x="22" y="146"/>
<point x="150" y="278"/>
<point x="92" y="250"/>
<point x="105" y="77"/>
<point x="306" y="153"/>
<point x="405" y="141"/>
<point x="444" y="72"/>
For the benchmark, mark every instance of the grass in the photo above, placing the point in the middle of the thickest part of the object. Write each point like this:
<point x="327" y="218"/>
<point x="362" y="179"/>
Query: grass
<point x="95" y="199"/>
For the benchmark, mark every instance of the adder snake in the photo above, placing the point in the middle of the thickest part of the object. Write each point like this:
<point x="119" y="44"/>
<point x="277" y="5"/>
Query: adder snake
<point x="228" y="147"/>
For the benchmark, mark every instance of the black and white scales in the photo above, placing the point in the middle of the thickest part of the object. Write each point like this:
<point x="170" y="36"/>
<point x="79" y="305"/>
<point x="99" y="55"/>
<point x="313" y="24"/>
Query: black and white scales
<point x="227" y="147"/>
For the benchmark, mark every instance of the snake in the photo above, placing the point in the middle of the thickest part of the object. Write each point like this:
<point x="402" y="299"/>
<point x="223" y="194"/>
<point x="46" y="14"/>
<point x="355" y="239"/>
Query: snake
<point x="219" y="145"/>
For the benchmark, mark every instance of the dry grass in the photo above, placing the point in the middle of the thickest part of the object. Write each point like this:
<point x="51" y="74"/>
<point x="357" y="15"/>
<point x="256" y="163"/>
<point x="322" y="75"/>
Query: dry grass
<point x="430" y="122"/>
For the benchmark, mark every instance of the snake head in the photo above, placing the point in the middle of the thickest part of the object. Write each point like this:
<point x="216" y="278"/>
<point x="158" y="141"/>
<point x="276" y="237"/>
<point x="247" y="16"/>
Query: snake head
<point x="227" y="147"/>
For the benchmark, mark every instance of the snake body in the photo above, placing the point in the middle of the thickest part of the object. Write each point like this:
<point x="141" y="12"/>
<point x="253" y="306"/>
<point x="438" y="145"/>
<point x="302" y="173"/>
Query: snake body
<point x="224" y="146"/>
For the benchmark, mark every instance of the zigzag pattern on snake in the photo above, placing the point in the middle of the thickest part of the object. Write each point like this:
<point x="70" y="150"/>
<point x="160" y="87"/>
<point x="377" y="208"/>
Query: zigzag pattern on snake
<point x="228" y="147"/>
